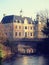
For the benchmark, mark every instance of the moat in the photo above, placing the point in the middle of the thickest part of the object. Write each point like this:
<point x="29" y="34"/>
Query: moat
<point x="27" y="60"/>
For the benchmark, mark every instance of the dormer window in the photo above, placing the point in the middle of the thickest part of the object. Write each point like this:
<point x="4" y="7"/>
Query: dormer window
<point x="31" y="22"/>
<point x="18" y="21"/>
<point x="14" y="20"/>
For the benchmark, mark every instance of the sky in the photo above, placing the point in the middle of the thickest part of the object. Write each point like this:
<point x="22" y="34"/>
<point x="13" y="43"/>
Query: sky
<point x="29" y="7"/>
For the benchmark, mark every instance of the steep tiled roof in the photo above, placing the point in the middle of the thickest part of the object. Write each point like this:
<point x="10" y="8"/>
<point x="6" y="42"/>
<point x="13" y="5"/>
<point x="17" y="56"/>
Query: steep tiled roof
<point x="18" y="18"/>
<point x="7" y="19"/>
<point x="29" y="19"/>
<point x="13" y="18"/>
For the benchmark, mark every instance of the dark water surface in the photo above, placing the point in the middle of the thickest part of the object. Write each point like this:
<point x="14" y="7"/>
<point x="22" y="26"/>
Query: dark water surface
<point x="27" y="60"/>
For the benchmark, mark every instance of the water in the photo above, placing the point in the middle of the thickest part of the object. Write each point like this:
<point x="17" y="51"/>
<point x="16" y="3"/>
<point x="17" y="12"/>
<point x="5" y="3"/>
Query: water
<point x="27" y="60"/>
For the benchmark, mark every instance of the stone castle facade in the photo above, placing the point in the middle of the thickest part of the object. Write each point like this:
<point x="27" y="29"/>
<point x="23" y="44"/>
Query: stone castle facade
<point x="18" y="27"/>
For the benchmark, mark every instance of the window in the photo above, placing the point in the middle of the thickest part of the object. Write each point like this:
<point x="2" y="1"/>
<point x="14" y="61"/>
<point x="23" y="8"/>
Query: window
<point x="19" y="27"/>
<point x="25" y="27"/>
<point x="25" y="34"/>
<point x="19" y="33"/>
<point x="16" y="33"/>
<point x="31" y="28"/>
<point x="30" y="34"/>
<point x="16" y="27"/>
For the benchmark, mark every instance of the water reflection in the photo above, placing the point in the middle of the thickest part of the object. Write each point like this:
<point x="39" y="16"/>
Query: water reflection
<point x="28" y="60"/>
<point x="25" y="61"/>
<point x="41" y="61"/>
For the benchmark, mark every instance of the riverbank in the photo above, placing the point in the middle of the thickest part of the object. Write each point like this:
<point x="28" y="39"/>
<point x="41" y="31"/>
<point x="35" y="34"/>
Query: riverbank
<point x="4" y="51"/>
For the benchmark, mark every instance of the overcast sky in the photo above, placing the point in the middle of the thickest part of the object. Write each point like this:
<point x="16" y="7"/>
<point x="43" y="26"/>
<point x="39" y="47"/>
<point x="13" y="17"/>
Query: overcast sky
<point x="29" y="7"/>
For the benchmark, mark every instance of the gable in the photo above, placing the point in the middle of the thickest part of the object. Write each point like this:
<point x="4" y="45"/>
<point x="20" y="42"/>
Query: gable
<point x="25" y="21"/>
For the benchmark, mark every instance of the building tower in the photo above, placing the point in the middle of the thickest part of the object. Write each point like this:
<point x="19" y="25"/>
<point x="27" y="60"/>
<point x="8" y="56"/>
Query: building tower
<point x="36" y="26"/>
<point x="40" y="26"/>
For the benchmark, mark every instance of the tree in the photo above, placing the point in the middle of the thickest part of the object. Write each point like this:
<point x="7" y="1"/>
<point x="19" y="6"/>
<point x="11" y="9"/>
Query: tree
<point x="46" y="29"/>
<point x="3" y="36"/>
<point x="44" y="15"/>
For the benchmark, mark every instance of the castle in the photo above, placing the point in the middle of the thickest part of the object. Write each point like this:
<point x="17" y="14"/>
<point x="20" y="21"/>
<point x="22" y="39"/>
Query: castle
<point x="18" y="27"/>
